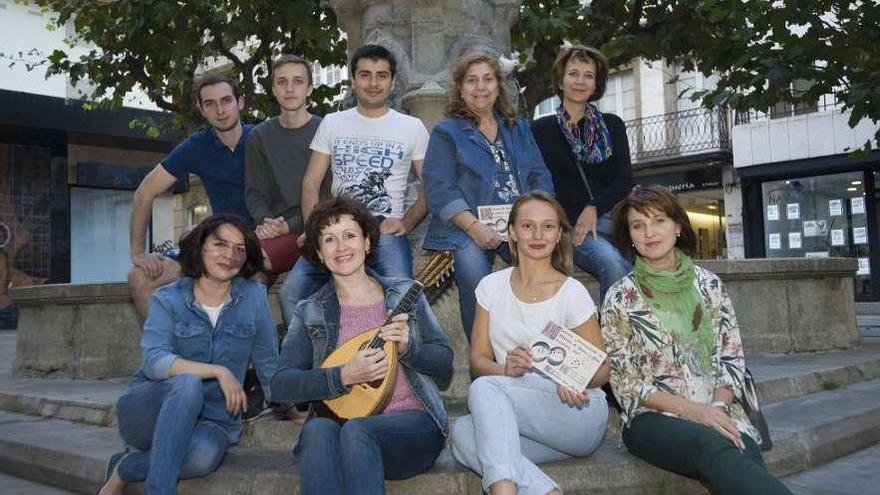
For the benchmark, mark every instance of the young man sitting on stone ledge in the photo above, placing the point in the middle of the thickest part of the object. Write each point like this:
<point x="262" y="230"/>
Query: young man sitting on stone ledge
<point x="275" y="162"/>
<point x="216" y="155"/>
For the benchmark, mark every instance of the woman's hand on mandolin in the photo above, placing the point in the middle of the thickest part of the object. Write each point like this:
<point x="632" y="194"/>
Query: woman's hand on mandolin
<point x="397" y="331"/>
<point x="366" y="366"/>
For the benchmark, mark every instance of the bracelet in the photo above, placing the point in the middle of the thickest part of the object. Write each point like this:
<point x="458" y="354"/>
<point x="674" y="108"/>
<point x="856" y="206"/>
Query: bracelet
<point x="724" y="406"/>
<point x="468" y="229"/>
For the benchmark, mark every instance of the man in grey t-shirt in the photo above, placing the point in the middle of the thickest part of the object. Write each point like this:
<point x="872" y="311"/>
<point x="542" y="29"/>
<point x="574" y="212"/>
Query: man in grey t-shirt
<point x="276" y="157"/>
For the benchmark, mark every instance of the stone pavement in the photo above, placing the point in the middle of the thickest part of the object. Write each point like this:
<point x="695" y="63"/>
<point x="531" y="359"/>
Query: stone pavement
<point x="17" y="486"/>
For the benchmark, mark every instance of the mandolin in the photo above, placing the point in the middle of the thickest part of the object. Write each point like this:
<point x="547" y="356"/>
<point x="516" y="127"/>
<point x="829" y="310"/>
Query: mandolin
<point x="366" y="399"/>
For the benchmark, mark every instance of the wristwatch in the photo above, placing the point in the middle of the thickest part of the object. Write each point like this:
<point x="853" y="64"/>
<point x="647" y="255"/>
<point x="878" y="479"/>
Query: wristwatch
<point x="724" y="406"/>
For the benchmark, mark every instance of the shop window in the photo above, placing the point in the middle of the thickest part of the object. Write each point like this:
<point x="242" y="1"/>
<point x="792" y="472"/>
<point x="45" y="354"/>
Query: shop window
<point x="822" y="216"/>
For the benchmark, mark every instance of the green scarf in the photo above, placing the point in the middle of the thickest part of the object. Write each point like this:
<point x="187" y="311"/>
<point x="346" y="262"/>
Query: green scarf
<point x="677" y="303"/>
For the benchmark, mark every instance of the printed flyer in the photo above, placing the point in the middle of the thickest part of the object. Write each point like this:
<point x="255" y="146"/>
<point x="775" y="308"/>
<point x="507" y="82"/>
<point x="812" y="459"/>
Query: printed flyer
<point x="495" y="217"/>
<point x="565" y="357"/>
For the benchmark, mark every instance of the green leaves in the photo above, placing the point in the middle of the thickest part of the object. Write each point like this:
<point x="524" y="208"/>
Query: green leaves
<point x="158" y="46"/>
<point x="765" y="51"/>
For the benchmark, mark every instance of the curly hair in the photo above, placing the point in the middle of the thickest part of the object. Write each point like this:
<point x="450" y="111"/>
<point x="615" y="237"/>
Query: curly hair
<point x="327" y="213"/>
<point x="456" y="107"/>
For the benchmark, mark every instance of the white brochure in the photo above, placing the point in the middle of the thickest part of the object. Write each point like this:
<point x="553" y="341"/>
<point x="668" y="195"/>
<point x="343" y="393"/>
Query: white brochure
<point x="565" y="357"/>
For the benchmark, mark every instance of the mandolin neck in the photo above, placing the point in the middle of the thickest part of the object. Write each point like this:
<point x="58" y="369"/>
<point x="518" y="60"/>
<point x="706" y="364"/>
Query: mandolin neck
<point x="406" y="303"/>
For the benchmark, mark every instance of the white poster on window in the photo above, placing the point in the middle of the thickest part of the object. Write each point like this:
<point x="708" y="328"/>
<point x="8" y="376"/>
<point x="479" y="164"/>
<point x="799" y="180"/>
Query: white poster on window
<point x="794" y="240"/>
<point x="793" y="211"/>
<point x="816" y="254"/>
<point x="857" y="205"/>
<point x="774" y="241"/>
<point x="835" y="207"/>
<point x="860" y="235"/>
<point x="815" y="228"/>
<point x="864" y="267"/>
<point x="772" y="212"/>
<point x="837" y="237"/>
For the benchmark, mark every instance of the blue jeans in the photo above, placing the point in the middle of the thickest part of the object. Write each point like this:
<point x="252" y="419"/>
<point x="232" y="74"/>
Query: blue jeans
<point x="516" y="423"/>
<point x="600" y="258"/>
<point x="357" y="457"/>
<point x="161" y="420"/>
<point x="471" y="264"/>
<point x="391" y="258"/>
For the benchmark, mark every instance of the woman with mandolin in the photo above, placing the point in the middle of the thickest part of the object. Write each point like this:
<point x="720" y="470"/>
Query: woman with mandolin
<point x="387" y="384"/>
<point x="519" y="418"/>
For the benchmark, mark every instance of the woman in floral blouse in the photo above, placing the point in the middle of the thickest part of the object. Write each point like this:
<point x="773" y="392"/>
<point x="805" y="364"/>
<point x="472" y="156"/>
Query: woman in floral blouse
<point x="676" y="355"/>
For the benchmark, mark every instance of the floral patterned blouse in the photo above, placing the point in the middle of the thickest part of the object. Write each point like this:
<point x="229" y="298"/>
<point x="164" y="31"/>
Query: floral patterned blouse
<point x="645" y="357"/>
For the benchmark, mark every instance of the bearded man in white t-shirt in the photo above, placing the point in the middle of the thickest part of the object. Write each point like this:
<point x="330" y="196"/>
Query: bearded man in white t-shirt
<point x="369" y="150"/>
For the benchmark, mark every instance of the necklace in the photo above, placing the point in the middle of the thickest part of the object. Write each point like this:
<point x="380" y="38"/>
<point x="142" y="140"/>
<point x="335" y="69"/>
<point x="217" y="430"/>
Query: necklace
<point x="529" y="296"/>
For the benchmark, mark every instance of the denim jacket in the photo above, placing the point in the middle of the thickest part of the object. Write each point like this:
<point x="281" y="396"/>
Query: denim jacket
<point x="314" y="331"/>
<point x="459" y="173"/>
<point x="177" y="326"/>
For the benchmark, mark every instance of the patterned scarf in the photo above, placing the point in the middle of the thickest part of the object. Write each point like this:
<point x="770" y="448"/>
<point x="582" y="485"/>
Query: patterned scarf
<point x="590" y="142"/>
<point x="677" y="303"/>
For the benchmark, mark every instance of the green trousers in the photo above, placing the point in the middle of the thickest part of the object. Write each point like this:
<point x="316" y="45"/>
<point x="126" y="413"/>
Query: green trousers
<point x="697" y="451"/>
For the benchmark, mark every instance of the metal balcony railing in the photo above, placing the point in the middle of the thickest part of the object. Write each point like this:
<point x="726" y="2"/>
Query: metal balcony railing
<point x="689" y="133"/>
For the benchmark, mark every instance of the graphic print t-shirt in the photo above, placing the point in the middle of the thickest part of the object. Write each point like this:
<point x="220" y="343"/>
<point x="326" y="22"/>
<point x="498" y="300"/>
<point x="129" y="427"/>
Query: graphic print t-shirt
<point x="370" y="158"/>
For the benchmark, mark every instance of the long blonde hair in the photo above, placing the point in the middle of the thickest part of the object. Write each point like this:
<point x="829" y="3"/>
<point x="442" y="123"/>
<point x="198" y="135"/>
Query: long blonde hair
<point x="456" y="107"/>
<point x="561" y="258"/>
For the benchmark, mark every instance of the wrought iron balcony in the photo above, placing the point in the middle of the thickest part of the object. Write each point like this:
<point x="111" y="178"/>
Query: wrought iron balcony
<point x="695" y="134"/>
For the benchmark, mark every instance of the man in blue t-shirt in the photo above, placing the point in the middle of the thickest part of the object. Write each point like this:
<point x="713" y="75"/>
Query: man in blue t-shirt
<point x="216" y="155"/>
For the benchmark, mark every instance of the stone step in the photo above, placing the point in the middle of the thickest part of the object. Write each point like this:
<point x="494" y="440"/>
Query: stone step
<point x="808" y="431"/>
<point x="779" y="377"/>
<point x="855" y="474"/>
<point x="11" y="485"/>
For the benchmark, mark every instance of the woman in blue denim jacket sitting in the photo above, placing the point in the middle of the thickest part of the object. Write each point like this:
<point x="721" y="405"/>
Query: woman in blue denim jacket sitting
<point x="183" y="409"/>
<point x="408" y="435"/>
<point x="481" y="155"/>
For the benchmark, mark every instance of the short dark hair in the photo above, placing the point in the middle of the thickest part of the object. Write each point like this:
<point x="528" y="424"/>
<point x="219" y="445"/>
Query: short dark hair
<point x="191" y="263"/>
<point x="212" y="79"/>
<point x="292" y="59"/>
<point x="584" y="54"/>
<point x="373" y="52"/>
<point x="644" y="199"/>
<point x="327" y="213"/>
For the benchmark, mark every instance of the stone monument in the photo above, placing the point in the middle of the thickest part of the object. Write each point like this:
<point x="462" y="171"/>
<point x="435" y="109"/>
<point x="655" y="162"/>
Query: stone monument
<point x="427" y="37"/>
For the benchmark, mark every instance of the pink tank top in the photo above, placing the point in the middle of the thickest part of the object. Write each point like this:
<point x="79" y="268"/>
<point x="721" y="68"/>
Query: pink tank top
<point x="354" y="320"/>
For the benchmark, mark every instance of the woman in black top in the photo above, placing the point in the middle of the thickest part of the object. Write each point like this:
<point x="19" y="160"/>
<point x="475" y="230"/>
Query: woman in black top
<point x="587" y="153"/>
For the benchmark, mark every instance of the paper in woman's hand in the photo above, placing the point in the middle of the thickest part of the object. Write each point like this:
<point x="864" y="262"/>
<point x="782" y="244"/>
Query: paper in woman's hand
<point x="565" y="357"/>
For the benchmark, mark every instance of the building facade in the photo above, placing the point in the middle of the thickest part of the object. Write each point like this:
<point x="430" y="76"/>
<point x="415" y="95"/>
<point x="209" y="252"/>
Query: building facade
<point x="67" y="174"/>
<point x="804" y="193"/>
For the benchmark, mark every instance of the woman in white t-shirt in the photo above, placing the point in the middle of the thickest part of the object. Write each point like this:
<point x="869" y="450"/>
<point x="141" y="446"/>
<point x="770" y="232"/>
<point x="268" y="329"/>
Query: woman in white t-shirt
<point x="518" y="417"/>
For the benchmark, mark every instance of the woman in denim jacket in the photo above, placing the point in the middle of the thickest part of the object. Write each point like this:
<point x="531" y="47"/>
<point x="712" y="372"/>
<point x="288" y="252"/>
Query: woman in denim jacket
<point x="481" y="155"/>
<point x="183" y="409"/>
<point x="408" y="435"/>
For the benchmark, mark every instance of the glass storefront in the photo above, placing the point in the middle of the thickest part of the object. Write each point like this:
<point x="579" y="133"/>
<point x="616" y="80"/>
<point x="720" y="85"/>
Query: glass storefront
<point x="819" y="216"/>
<point x="705" y="210"/>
